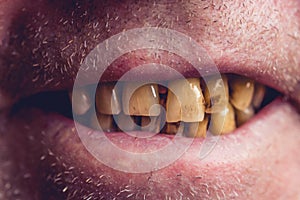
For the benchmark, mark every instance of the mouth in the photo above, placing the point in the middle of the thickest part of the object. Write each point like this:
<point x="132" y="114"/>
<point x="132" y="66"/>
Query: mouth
<point x="84" y="152"/>
<point x="65" y="156"/>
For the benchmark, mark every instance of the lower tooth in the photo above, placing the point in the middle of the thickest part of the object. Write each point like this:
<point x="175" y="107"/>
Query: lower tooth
<point x="174" y="128"/>
<point x="151" y="124"/>
<point x="259" y="94"/>
<point x="243" y="116"/>
<point x="81" y="102"/>
<point x="126" y="122"/>
<point x="223" y="122"/>
<point x="105" y="122"/>
<point x="196" y="129"/>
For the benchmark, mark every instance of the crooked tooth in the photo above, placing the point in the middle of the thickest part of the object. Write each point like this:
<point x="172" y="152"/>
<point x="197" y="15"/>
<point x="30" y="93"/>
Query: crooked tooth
<point x="151" y="124"/>
<point x="188" y="106"/>
<point x="144" y="101"/>
<point x="81" y="102"/>
<point x="218" y="96"/>
<point x="105" y="122"/>
<point x="126" y="122"/>
<point x="243" y="116"/>
<point x="223" y="122"/>
<point x="259" y="94"/>
<point x="174" y="128"/>
<point x="107" y="99"/>
<point x="242" y="90"/>
<point x="196" y="129"/>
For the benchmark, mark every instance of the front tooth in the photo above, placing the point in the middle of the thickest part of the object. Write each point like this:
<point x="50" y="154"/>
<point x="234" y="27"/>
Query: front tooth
<point x="197" y="129"/>
<point x="243" y="116"/>
<point x="81" y="102"/>
<point x="151" y="124"/>
<point x="105" y="122"/>
<point x="223" y="122"/>
<point x="174" y="128"/>
<point x="107" y="99"/>
<point x="144" y="101"/>
<point x="126" y="122"/>
<point x="242" y="90"/>
<point x="188" y="105"/>
<point x="217" y="96"/>
<point x="259" y="94"/>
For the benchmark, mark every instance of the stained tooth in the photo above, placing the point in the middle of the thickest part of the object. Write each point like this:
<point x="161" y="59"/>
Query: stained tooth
<point x="188" y="106"/>
<point x="81" y="102"/>
<point x="218" y="96"/>
<point x="259" y="94"/>
<point x="105" y="122"/>
<point x="196" y="129"/>
<point x="126" y="122"/>
<point x="174" y="128"/>
<point x="107" y="99"/>
<point x="223" y="122"/>
<point x="242" y="90"/>
<point x="243" y="116"/>
<point x="151" y="124"/>
<point x="144" y="101"/>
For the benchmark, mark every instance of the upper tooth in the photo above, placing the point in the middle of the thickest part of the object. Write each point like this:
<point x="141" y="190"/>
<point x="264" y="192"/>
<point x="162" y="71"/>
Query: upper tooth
<point x="81" y="101"/>
<point x="141" y="101"/>
<point x="243" y="116"/>
<point x="185" y="101"/>
<point x="259" y="94"/>
<point x="223" y="122"/>
<point x="107" y="99"/>
<point x="197" y="129"/>
<point x="242" y="90"/>
<point x="216" y="93"/>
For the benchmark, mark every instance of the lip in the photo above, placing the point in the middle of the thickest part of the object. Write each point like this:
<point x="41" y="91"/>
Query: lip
<point x="229" y="170"/>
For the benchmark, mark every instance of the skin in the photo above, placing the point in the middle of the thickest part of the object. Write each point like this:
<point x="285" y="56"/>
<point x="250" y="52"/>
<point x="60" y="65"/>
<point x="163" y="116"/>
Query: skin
<point x="258" y="39"/>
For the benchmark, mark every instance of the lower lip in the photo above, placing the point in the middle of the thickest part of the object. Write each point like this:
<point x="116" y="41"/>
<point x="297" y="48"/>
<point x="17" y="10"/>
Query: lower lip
<point x="231" y="167"/>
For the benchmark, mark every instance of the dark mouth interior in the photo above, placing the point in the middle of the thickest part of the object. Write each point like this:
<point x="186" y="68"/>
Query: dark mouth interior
<point x="59" y="102"/>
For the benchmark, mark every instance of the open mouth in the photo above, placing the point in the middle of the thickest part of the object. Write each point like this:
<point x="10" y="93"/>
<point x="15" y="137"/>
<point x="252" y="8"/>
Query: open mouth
<point x="61" y="142"/>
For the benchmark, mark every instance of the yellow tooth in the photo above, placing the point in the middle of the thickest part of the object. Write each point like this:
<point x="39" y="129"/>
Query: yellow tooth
<point x="126" y="122"/>
<point x="81" y="102"/>
<point x="150" y="124"/>
<point x="144" y="101"/>
<point x="218" y="96"/>
<point x="174" y="128"/>
<point x="259" y="94"/>
<point x="223" y="122"/>
<point x="188" y="105"/>
<point x="105" y="122"/>
<point x="243" y="116"/>
<point x="196" y="129"/>
<point x="242" y="90"/>
<point x="107" y="99"/>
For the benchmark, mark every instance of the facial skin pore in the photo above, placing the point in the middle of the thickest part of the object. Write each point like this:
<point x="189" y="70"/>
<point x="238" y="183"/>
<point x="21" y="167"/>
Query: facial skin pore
<point x="42" y="46"/>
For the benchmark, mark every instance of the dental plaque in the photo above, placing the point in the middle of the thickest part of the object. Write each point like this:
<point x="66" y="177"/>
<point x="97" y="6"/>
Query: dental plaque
<point x="184" y="106"/>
